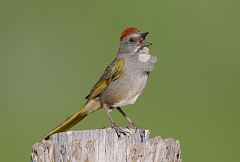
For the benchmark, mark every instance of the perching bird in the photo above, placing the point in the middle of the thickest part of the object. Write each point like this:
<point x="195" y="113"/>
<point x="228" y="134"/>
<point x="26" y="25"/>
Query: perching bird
<point x="122" y="82"/>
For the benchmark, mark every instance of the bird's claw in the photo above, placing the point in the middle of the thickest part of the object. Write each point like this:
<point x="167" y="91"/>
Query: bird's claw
<point x="133" y="126"/>
<point x="118" y="130"/>
<point x="137" y="128"/>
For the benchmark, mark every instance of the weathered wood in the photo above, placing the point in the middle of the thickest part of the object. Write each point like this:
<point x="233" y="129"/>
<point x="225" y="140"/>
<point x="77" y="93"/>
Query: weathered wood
<point x="103" y="145"/>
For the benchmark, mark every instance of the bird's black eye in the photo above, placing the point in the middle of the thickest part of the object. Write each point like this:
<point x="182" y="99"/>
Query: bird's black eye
<point x="131" y="39"/>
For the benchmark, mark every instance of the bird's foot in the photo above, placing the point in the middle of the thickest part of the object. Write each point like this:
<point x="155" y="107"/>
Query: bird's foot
<point x="118" y="130"/>
<point x="137" y="128"/>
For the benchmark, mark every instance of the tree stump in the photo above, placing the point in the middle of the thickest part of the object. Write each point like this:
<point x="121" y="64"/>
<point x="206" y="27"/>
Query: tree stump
<point x="103" y="145"/>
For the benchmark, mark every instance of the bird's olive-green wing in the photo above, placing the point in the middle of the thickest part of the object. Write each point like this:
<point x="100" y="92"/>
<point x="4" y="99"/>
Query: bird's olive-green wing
<point x="112" y="72"/>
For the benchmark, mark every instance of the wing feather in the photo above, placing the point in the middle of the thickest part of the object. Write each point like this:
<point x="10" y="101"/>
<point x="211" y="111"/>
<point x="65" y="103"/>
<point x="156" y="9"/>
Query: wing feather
<point x="112" y="73"/>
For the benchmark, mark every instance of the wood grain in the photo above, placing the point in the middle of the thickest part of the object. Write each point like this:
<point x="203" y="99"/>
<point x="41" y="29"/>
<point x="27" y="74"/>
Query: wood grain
<point x="103" y="145"/>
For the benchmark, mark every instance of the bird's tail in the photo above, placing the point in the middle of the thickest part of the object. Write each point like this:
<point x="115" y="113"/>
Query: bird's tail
<point x="89" y="107"/>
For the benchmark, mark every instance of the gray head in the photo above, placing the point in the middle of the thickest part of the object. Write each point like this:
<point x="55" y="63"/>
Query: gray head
<point x="132" y="41"/>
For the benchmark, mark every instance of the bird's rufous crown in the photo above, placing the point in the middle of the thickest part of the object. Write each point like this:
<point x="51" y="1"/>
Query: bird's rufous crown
<point x="128" y="31"/>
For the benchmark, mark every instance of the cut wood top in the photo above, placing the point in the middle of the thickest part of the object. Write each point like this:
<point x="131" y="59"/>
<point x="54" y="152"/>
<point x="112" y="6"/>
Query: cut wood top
<point x="103" y="145"/>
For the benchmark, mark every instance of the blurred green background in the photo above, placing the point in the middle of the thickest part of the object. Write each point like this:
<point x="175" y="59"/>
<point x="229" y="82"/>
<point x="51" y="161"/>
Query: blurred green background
<point x="53" y="52"/>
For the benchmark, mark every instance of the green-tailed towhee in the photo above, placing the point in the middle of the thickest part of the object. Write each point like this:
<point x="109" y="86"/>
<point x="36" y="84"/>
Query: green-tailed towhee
<point x="122" y="82"/>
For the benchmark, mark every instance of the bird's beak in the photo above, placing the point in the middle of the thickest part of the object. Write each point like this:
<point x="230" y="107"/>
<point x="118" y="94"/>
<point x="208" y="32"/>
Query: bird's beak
<point x="147" y="44"/>
<point x="143" y="36"/>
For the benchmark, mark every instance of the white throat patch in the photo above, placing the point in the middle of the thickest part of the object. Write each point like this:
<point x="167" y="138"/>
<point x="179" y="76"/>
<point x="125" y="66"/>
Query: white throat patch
<point x="143" y="57"/>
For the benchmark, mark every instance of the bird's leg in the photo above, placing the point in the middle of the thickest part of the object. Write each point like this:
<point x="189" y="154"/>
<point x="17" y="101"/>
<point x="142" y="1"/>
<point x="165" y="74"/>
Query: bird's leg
<point x="131" y="124"/>
<point x="118" y="130"/>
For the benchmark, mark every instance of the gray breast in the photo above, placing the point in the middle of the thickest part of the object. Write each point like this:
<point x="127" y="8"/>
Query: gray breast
<point x="131" y="83"/>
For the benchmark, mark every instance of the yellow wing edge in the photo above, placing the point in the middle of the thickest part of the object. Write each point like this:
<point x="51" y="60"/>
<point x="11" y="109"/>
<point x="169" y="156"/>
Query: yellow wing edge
<point x="112" y="74"/>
